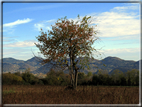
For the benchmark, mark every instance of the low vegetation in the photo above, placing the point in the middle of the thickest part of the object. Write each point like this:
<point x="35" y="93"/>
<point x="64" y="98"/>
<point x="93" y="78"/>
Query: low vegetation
<point x="99" y="88"/>
<point x="37" y="94"/>
<point x="117" y="78"/>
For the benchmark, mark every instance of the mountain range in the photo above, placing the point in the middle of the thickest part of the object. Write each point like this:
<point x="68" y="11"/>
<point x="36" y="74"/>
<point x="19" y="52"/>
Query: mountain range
<point x="111" y="63"/>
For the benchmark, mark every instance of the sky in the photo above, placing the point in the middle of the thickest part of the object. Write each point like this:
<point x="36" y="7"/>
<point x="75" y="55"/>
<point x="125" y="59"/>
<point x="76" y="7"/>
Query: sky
<point x="118" y="25"/>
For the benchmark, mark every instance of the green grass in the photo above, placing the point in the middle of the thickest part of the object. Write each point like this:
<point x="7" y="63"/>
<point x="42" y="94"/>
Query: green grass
<point x="9" y="91"/>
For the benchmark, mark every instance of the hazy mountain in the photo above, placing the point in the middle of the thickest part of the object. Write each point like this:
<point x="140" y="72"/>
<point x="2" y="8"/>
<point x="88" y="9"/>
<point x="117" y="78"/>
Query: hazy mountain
<point x="116" y="62"/>
<point x="8" y="67"/>
<point x="43" y="69"/>
<point x="23" y="66"/>
<point x="136" y="64"/>
<point x="12" y="61"/>
<point x="35" y="61"/>
<point x="121" y="69"/>
<point x="14" y="65"/>
<point x="112" y="63"/>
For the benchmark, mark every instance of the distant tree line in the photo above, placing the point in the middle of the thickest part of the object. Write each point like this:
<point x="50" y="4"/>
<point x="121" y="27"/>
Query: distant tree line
<point x="59" y="78"/>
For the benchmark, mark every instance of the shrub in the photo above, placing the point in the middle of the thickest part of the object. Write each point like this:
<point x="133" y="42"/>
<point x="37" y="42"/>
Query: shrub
<point x="81" y="75"/>
<point x="10" y="79"/>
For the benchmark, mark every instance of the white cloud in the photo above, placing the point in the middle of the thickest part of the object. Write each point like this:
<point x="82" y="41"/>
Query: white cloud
<point x="19" y="53"/>
<point x="17" y="22"/>
<point x="123" y="53"/>
<point x="45" y="25"/>
<point x="21" y="44"/>
<point x="116" y="23"/>
<point x="8" y="39"/>
<point x="127" y="37"/>
<point x="134" y="0"/>
<point x="121" y="50"/>
<point x="48" y="28"/>
<point x="133" y="7"/>
<point x="37" y="8"/>
<point x="10" y="27"/>
<point x="39" y="26"/>
<point x="112" y="23"/>
<point x="50" y="21"/>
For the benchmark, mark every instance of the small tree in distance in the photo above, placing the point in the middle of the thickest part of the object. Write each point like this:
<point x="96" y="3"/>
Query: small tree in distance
<point x="68" y="39"/>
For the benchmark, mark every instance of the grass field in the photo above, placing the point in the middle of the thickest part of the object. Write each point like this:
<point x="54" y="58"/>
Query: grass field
<point x="18" y="94"/>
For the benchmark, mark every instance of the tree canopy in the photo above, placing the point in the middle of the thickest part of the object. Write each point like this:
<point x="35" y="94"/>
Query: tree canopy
<point x="68" y="39"/>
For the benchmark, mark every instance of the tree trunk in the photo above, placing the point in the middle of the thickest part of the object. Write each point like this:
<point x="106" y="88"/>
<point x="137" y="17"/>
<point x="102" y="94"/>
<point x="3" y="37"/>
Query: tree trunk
<point x="72" y="80"/>
<point x="72" y="75"/>
<point x="71" y="68"/>
<point x="76" y="76"/>
<point x="76" y="73"/>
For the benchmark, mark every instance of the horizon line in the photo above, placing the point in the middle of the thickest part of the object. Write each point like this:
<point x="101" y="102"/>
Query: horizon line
<point x="77" y="57"/>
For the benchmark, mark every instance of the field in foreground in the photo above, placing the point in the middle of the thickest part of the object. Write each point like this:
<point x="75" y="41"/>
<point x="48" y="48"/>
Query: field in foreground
<point x="18" y="94"/>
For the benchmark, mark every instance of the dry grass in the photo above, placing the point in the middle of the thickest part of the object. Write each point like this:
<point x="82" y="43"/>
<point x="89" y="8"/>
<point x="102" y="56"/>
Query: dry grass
<point x="58" y="95"/>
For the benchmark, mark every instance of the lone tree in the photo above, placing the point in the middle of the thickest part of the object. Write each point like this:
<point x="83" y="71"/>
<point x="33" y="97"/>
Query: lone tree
<point x="68" y="39"/>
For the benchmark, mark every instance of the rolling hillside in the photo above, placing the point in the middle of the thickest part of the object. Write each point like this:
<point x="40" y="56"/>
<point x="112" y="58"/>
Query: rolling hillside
<point x="112" y="63"/>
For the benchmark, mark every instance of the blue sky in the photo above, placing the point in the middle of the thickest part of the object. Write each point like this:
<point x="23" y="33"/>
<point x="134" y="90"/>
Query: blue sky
<point x="118" y="24"/>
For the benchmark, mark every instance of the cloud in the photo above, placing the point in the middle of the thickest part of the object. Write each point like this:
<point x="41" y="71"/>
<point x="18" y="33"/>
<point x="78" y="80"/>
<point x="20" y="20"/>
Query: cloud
<point x="115" y="23"/>
<point x="8" y="39"/>
<point x="45" y="25"/>
<point x="134" y="0"/>
<point x="17" y="22"/>
<point x="10" y="27"/>
<point x="124" y="53"/>
<point x="21" y="44"/>
<point x="122" y="50"/>
<point x="112" y="23"/>
<point x="39" y="26"/>
<point x="128" y="6"/>
<point x="127" y="37"/>
<point x="36" y="8"/>
<point x="50" y="21"/>
<point x="19" y="53"/>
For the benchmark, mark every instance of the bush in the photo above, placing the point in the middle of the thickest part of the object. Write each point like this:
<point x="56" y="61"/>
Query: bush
<point x="28" y="77"/>
<point x="123" y="81"/>
<point x="10" y="79"/>
<point x="17" y="73"/>
<point x="81" y="75"/>
<point x="56" y="78"/>
<point x="89" y="74"/>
